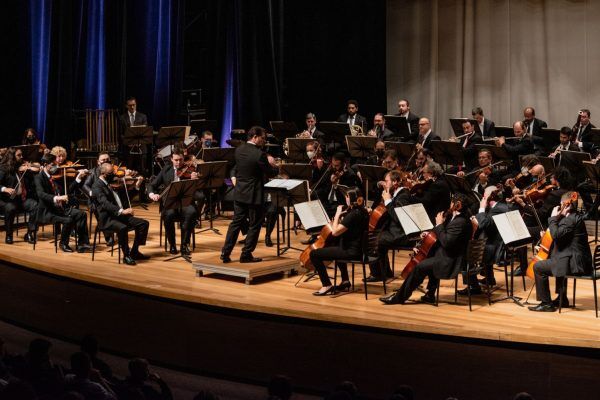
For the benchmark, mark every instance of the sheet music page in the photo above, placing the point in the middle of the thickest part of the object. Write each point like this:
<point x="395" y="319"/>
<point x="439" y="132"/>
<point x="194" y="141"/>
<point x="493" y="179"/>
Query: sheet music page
<point x="288" y="184"/>
<point x="413" y="218"/>
<point x="312" y="214"/>
<point x="511" y="226"/>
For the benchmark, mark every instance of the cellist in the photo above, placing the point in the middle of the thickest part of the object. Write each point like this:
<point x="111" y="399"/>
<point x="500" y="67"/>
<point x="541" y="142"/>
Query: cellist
<point x="453" y="231"/>
<point x="392" y="235"/>
<point x="570" y="254"/>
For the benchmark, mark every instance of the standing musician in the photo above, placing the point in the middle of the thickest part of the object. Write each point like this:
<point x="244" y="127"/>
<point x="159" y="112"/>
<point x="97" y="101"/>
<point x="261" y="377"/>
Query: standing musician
<point x="486" y="126"/>
<point x="351" y="117"/>
<point x="570" y="254"/>
<point x="253" y="167"/>
<point x="16" y="196"/>
<point x="435" y="197"/>
<point x="380" y="131"/>
<point x="392" y="235"/>
<point x="339" y="174"/>
<point x="117" y="217"/>
<point x="174" y="172"/>
<point x="53" y="205"/>
<point x="468" y="141"/>
<point x="582" y="131"/>
<point x="411" y="119"/>
<point x="453" y="231"/>
<point x="349" y="226"/>
<point x="520" y="146"/>
<point x="565" y="144"/>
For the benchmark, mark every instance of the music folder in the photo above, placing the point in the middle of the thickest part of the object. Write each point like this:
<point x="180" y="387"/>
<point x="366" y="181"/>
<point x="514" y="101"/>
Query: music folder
<point x="334" y="131"/>
<point x="361" y="146"/>
<point x="447" y="153"/>
<point x="398" y="125"/>
<point x="312" y="214"/>
<point x="512" y="228"/>
<point x="292" y="191"/>
<point x="413" y="218"/>
<point x="172" y="135"/>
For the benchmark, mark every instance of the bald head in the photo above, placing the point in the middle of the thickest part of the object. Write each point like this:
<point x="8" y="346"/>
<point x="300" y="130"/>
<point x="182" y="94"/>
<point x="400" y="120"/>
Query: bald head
<point x="106" y="168"/>
<point x="537" y="170"/>
<point x="519" y="128"/>
<point x="424" y="126"/>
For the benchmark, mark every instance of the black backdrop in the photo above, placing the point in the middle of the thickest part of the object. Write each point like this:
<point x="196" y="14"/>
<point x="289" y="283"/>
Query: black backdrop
<point x="291" y="57"/>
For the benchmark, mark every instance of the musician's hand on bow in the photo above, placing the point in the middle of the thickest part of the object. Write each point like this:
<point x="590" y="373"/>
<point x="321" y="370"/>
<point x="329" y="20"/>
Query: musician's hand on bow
<point x="474" y="221"/>
<point x="419" y="146"/>
<point x="8" y="190"/>
<point x="461" y="174"/>
<point x="440" y="218"/>
<point x="272" y="160"/>
<point x="194" y="175"/>
<point x="484" y="202"/>
<point x="64" y="198"/>
<point x="500" y="141"/>
<point x="82" y="173"/>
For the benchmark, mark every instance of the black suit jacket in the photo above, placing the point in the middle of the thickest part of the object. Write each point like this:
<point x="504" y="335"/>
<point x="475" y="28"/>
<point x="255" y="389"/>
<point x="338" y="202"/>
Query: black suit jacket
<point x="387" y="135"/>
<point x="90" y="180"/>
<point x="494" y="244"/>
<point x="450" y="250"/>
<point x="252" y="172"/>
<point x="9" y="180"/>
<point x="586" y="138"/>
<point x="470" y="152"/>
<point x="140" y="119"/>
<point x="45" y="195"/>
<point x="489" y="128"/>
<point x="164" y="179"/>
<point x="427" y="144"/>
<point x="435" y="199"/>
<point x="107" y="206"/>
<point x="518" y="147"/>
<point x="348" y="178"/>
<point x="358" y="120"/>
<point x="571" y="250"/>
<point x="538" y="124"/>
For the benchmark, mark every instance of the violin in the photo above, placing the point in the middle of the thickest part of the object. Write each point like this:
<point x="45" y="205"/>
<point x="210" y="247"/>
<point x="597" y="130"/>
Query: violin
<point x="546" y="242"/>
<point x="418" y="187"/>
<point x="68" y="169"/>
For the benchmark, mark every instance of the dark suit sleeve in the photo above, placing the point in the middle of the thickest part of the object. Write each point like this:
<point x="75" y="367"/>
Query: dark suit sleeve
<point x="492" y="129"/>
<point x="104" y="203"/>
<point x="156" y="182"/>
<point x="41" y="192"/>
<point x="88" y="183"/>
<point x="143" y="119"/>
<point x="525" y="146"/>
<point x="449" y="235"/>
<point x="265" y="167"/>
<point x="562" y="231"/>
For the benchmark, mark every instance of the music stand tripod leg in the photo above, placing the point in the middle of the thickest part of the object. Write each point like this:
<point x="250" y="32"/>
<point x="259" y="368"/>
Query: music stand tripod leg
<point x="210" y="216"/>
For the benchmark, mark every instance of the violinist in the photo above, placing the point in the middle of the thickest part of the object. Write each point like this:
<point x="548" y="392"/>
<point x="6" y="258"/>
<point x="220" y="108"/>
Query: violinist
<point x="349" y="227"/>
<point x="520" y="146"/>
<point x="118" y="217"/>
<point x="436" y="196"/>
<point x="53" y="205"/>
<point x="378" y="157"/>
<point x="570" y="254"/>
<point x="104" y="158"/>
<point x="328" y="192"/>
<point x="453" y="231"/>
<point x="582" y="131"/>
<point x="565" y="144"/>
<point x="484" y="175"/>
<point x="421" y="158"/>
<point x="175" y="171"/>
<point x="15" y="196"/>
<point x="395" y="194"/>
<point x="317" y="161"/>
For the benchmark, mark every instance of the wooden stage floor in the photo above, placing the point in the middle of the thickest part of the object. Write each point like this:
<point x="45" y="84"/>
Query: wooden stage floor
<point x="503" y="321"/>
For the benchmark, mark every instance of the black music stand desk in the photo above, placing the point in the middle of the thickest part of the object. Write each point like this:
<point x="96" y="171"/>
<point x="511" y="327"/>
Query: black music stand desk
<point x="211" y="175"/>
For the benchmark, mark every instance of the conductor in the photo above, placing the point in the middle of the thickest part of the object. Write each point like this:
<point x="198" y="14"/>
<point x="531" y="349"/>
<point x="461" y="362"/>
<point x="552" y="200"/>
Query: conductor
<point x="253" y="167"/>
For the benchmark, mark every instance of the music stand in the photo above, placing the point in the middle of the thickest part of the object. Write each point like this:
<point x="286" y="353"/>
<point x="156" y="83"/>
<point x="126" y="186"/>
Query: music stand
<point x="404" y="150"/>
<point x="457" y="123"/>
<point x="547" y="163"/>
<point x="361" y="146"/>
<point x="197" y="126"/>
<point x="499" y="153"/>
<point x="297" y="149"/>
<point x="459" y="184"/>
<point x="211" y="175"/>
<point x="550" y="139"/>
<point x="297" y="171"/>
<point x="136" y="136"/>
<point x="506" y="131"/>
<point x="593" y="173"/>
<point x="179" y="195"/>
<point x="398" y="125"/>
<point x="447" y="153"/>
<point x="335" y="132"/>
<point x="371" y="174"/>
<point x="172" y="135"/>
<point x="31" y="152"/>
<point x="282" y="130"/>
<point x="573" y="161"/>
<point x="219" y="154"/>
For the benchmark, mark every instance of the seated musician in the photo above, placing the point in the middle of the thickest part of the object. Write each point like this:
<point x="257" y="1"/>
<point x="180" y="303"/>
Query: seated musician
<point x="582" y="131"/>
<point x="116" y="217"/>
<point x="208" y="141"/>
<point x="517" y="147"/>
<point x="53" y="205"/>
<point x="380" y="131"/>
<point x="468" y="143"/>
<point x="492" y="203"/>
<point x="104" y="158"/>
<point x="349" y="226"/>
<point x="570" y="254"/>
<point x="15" y="196"/>
<point x="565" y="144"/>
<point x="328" y="191"/>
<point x="392" y="235"/>
<point x="425" y="135"/>
<point x="435" y="197"/>
<point x="484" y="174"/>
<point x="30" y="137"/>
<point x="421" y="157"/>
<point x="446" y="257"/>
<point x="175" y="172"/>
<point x="311" y="131"/>
<point x="316" y="160"/>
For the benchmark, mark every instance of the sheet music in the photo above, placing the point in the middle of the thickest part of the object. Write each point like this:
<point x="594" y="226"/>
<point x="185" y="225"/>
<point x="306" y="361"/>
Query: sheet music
<point x="312" y="214"/>
<point x="413" y="218"/>
<point x="287" y="184"/>
<point x="511" y="226"/>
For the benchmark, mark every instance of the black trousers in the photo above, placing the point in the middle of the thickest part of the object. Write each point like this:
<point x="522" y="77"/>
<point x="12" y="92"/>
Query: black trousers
<point x="187" y="215"/>
<point x="271" y="216"/>
<point x="125" y="223"/>
<point x="318" y="256"/>
<point x="73" y="219"/>
<point x="387" y="241"/>
<point x="243" y="213"/>
<point x="12" y="207"/>
<point x="423" y="270"/>
<point x="543" y="270"/>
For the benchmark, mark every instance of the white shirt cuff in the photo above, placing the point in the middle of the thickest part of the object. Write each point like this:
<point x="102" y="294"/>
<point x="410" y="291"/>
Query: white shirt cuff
<point x="386" y="202"/>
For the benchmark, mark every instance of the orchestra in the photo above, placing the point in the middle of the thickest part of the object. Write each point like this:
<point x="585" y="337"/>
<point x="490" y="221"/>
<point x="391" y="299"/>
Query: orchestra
<point x="52" y="191"/>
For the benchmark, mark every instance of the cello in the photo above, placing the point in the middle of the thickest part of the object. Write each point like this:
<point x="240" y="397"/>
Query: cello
<point x="546" y="242"/>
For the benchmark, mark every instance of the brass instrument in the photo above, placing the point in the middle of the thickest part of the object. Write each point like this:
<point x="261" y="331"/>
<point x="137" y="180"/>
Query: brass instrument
<point x="356" y="130"/>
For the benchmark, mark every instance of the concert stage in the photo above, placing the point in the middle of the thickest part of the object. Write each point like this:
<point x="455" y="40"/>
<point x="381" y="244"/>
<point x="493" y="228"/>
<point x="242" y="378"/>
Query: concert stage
<point x="219" y="326"/>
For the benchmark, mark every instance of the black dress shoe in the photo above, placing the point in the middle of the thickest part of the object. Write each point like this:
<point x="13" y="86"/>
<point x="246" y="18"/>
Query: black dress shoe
<point x="225" y="258"/>
<point x="310" y="240"/>
<point x="128" y="260"/>
<point x="565" y="302"/>
<point x="268" y="242"/>
<point x="173" y="249"/>
<point x="84" y="248"/>
<point x="519" y="271"/>
<point x="393" y="298"/>
<point x="110" y="242"/>
<point x="372" y="278"/>
<point x="474" y="291"/>
<point x="427" y="298"/>
<point x="249" y="258"/>
<point x="137" y="255"/>
<point x="185" y="250"/>
<point x="29" y="237"/>
<point x="483" y="282"/>
<point x="8" y="239"/>
<point x="543" y="308"/>
<point x="329" y="290"/>
<point x="66" y="248"/>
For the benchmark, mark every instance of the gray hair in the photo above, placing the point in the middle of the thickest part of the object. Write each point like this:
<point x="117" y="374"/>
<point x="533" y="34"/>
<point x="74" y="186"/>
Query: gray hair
<point x="434" y="168"/>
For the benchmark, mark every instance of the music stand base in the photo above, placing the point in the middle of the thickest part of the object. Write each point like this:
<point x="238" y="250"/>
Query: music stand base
<point x="186" y="258"/>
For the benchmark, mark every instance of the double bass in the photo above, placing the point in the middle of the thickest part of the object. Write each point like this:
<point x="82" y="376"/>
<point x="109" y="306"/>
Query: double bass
<point x="546" y="243"/>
